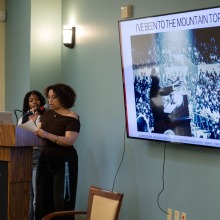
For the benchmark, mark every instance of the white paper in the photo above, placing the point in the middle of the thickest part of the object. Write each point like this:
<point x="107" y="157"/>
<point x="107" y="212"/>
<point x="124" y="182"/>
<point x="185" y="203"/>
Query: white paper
<point x="29" y="125"/>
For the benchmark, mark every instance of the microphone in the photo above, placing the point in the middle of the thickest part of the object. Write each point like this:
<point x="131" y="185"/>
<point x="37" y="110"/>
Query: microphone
<point x="173" y="81"/>
<point x="40" y="110"/>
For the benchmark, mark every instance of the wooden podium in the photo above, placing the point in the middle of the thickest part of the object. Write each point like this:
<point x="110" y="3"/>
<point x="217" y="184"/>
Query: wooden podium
<point x="16" y="171"/>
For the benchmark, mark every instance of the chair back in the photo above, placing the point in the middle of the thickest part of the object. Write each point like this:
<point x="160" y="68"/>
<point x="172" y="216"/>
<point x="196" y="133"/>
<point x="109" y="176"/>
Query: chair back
<point x="103" y="204"/>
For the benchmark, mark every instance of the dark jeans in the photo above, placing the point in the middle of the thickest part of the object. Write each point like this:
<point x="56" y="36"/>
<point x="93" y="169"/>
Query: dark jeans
<point x="56" y="186"/>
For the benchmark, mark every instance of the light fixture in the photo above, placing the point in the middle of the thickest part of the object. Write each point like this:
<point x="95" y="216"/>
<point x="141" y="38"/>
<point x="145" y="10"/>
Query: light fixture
<point x="2" y="15"/>
<point x="69" y="36"/>
<point x="126" y="11"/>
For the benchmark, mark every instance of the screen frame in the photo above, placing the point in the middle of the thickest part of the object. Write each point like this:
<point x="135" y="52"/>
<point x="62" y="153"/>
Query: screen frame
<point x="144" y="26"/>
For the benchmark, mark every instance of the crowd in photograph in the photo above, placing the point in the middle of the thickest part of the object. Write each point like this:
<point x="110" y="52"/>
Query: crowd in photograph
<point x="201" y="80"/>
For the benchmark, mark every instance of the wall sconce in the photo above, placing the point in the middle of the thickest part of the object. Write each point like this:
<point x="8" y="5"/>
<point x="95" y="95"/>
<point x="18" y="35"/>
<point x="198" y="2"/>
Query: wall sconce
<point x="69" y="36"/>
<point x="2" y="15"/>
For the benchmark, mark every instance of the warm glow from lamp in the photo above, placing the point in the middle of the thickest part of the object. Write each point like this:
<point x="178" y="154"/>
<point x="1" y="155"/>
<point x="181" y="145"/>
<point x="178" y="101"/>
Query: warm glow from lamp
<point x="68" y="36"/>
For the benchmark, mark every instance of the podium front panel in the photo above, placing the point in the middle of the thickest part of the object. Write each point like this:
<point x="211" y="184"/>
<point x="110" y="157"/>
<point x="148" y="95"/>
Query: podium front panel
<point x="3" y="190"/>
<point x="15" y="182"/>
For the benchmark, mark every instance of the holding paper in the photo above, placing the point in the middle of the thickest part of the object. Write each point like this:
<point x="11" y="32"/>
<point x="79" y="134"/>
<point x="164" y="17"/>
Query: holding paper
<point x="29" y="126"/>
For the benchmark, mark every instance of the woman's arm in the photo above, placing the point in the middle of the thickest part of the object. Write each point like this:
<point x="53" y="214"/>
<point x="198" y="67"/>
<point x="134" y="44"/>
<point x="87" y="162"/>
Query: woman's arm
<point x="67" y="140"/>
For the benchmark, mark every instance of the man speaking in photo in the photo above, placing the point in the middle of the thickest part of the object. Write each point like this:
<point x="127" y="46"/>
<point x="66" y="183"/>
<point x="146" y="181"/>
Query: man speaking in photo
<point x="162" y="121"/>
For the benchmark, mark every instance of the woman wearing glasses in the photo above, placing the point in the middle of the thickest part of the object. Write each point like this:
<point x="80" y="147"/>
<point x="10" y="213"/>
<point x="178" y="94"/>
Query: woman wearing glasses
<point x="58" y="164"/>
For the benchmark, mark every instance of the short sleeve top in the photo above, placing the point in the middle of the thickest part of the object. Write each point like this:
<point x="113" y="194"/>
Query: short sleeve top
<point x="58" y="124"/>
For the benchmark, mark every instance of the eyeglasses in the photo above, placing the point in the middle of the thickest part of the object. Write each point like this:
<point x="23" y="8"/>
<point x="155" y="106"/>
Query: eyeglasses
<point x="52" y="97"/>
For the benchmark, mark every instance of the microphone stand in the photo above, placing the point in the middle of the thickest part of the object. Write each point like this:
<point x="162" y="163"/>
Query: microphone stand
<point x="15" y="112"/>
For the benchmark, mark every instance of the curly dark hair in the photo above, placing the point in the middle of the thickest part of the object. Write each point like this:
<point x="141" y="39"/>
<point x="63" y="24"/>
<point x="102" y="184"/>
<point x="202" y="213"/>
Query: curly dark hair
<point x="26" y="100"/>
<point x="64" y="93"/>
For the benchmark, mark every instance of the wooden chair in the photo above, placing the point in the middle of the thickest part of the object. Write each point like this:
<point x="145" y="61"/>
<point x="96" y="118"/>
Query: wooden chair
<point x="102" y="205"/>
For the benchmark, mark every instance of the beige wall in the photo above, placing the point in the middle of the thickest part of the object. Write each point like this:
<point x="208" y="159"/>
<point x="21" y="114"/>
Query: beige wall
<point x="2" y="60"/>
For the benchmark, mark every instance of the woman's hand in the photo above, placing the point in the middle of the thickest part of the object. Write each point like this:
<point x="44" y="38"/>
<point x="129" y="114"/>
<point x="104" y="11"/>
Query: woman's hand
<point x="33" y="117"/>
<point x="66" y="141"/>
<point x="34" y="114"/>
<point x="41" y="133"/>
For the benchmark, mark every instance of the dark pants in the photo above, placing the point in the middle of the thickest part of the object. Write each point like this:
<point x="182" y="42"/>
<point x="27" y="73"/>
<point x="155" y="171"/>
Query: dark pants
<point x="56" y="186"/>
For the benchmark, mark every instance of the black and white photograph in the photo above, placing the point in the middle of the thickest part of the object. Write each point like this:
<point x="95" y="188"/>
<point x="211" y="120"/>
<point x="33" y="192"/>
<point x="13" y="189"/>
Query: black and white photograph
<point x="172" y="83"/>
